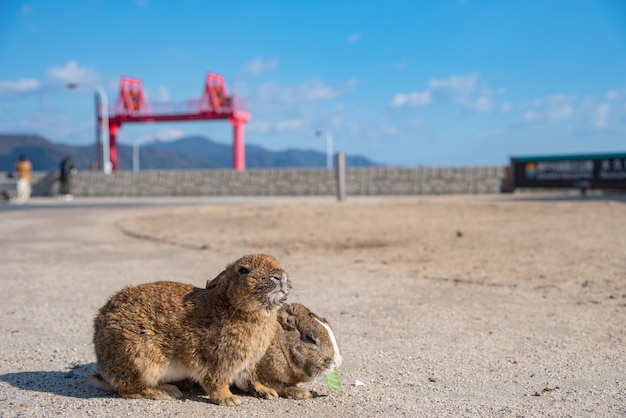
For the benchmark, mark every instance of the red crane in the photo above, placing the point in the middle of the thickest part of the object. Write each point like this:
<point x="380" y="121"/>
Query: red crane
<point x="215" y="104"/>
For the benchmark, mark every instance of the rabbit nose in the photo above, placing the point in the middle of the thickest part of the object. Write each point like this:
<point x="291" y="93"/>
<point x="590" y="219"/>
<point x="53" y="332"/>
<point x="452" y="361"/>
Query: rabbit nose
<point x="280" y="281"/>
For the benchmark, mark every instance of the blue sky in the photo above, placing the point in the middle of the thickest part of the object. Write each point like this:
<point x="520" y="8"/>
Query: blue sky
<point x="404" y="83"/>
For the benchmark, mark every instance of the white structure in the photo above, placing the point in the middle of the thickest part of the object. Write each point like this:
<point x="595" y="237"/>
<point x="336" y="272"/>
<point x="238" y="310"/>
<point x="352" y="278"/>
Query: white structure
<point x="329" y="147"/>
<point x="102" y="104"/>
<point x="136" y="145"/>
<point x="107" y="166"/>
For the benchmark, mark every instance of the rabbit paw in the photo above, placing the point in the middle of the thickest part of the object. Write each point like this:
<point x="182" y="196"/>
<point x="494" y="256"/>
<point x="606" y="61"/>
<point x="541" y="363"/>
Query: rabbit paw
<point x="261" y="391"/>
<point x="232" y="400"/>
<point x="172" y="391"/>
<point x="159" y="393"/>
<point x="223" y="396"/>
<point x="294" y="392"/>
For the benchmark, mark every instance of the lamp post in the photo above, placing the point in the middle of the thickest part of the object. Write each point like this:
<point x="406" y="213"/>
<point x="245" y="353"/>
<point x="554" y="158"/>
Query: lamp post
<point x="107" y="166"/>
<point x="136" y="145"/>
<point x="102" y="107"/>
<point x="329" y="147"/>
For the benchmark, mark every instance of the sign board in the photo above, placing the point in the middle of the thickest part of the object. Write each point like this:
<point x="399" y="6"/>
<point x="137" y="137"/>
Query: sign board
<point x="591" y="171"/>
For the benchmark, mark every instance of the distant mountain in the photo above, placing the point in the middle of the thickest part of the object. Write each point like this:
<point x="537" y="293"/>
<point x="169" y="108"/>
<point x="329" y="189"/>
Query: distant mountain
<point x="193" y="152"/>
<point x="221" y="156"/>
<point x="43" y="154"/>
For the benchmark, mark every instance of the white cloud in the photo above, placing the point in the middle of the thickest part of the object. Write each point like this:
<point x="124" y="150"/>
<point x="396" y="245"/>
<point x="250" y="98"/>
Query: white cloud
<point x="416" y="123"/>
<point x="505" y="107"/>
<point x="355" y="37"/>
<point x="481" y="105"/>
<point x="19" y="86"/>
<point x="308" y="91"/>
<point x="493" y="133"/>
<point x="26" y="10"/>
<point x="552" y="108"/>
<point x="414" y="99"/>
<point x="169" y="134"/>
<point x="554" y="101"/>
<point x="551" y="115"/>
<point x="315" y="91"/>
<point x="296" y="108"/>
<point x="56" y="78"/>
<point x="613" y="95"/>
<point x="557" y="106"/>
<point x="484" y="90"/>
<point x="72" y="73"/>
<point x="400" y="65"/>
<point x="384" y="130"/>
<point x="602" y="114"/>
<point x="390" y="130"/>
<point x="52" y="125"/>
<point x="350" y="85"/>
<point x="289" y="125"/>
<point x="258" y="66"/>
<point x="560" y="112"/>
<point x="531" y="117"/>
<point x="265" y="126"/>
<point x="281" y="126"/>
<point x="259" y="126"/>
<point x="455" y="88"/>
<point x="163" y="94"/>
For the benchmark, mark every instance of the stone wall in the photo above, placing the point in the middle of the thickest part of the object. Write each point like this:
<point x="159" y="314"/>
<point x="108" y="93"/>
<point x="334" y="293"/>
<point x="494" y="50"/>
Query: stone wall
<point x="278" y="182"/>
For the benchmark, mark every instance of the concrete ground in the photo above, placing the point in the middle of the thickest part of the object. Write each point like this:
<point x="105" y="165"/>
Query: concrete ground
<point x="495" y="305"/>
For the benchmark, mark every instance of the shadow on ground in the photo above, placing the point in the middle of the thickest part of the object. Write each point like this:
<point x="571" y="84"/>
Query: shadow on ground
<point x="73" y="383"/>
<point x="619" y="197"/>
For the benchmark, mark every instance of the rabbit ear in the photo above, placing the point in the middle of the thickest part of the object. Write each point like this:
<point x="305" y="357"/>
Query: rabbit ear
<point x="286" y="319"/>
<point x="212" y="283"/>
<point x="288" y="325"/>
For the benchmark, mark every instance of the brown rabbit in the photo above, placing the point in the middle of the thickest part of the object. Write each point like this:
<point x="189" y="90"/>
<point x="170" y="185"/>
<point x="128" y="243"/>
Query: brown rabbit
<point x="153" y="334"/>
<point x="303" y="348"/>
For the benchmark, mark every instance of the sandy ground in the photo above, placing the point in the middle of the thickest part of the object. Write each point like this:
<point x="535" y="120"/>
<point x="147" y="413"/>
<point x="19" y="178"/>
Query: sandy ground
<point x="499" y="305"/>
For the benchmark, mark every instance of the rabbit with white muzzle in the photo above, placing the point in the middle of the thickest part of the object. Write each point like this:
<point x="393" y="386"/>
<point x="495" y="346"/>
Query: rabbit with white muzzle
<point x="303" y="348"/>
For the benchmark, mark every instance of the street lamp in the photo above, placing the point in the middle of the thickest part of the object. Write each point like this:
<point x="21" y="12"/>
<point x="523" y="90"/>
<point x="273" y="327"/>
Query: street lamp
<point x="102" y="104"/>
<point x="136" y="145"/>
<point x="329" y="147"/>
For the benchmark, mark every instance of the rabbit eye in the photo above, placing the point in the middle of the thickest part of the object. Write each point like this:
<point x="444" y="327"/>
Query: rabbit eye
<point x="243" y="271"/>
<point x="312" y="338"/>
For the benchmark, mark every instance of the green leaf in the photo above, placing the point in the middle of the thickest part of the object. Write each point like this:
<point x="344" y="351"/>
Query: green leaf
<point x="332" y="380"/>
